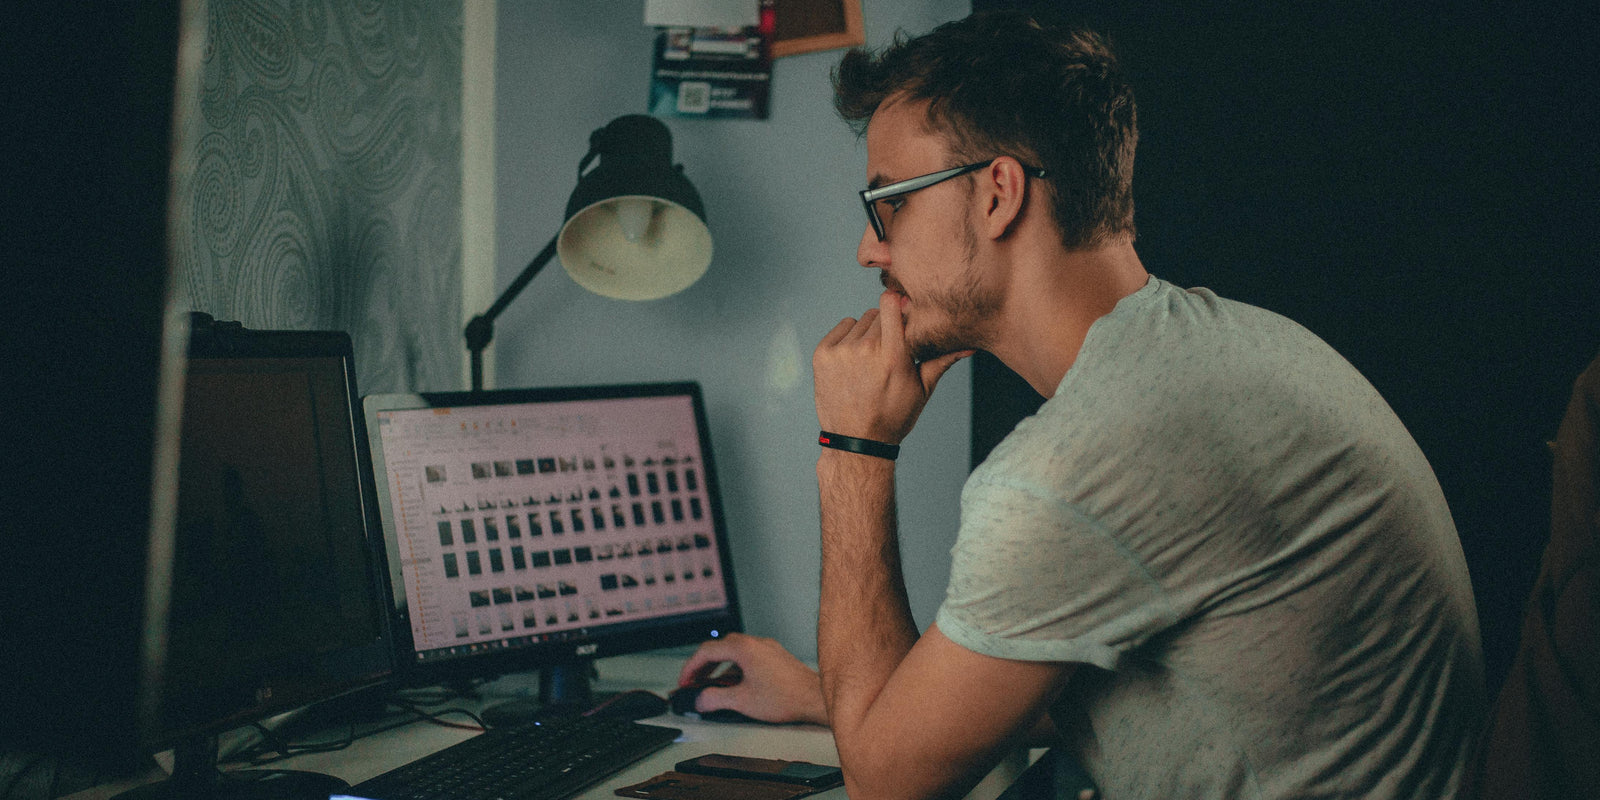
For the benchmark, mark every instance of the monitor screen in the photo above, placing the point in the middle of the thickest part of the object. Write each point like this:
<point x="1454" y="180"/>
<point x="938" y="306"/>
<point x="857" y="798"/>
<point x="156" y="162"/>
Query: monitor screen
<point x="277" y="592"/>
<point x="539" y="527"/>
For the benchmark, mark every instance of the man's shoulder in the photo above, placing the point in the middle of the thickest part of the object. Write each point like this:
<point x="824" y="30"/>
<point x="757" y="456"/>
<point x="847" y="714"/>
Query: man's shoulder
<point x="1169" y="341"/>
<point x="1180" y="313"/>
<point x="1171" y="363"/>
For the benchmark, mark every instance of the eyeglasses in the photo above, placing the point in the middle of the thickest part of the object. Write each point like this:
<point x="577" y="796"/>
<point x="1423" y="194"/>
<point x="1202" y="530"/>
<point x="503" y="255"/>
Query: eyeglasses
<point x="872" y="197"/>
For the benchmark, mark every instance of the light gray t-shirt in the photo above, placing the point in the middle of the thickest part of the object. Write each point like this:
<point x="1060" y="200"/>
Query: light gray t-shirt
<point x="1246" y="553"/>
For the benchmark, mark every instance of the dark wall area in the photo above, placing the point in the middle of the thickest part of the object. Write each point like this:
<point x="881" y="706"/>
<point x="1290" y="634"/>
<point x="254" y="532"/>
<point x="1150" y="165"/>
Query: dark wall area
<point x="1415" y="186"/>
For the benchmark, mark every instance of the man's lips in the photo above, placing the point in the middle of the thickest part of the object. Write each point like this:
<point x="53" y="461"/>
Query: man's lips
<point x="900" y="297"/>
<point x="894" y="286"/>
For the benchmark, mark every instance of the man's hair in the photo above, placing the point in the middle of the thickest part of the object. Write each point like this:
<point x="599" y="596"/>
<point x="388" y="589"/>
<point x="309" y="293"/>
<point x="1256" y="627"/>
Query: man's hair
<point x="1016" y="84"/>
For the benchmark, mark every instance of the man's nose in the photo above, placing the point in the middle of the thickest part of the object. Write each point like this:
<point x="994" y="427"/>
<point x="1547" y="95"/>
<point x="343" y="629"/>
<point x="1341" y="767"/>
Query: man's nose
<point x="870" y="252"/>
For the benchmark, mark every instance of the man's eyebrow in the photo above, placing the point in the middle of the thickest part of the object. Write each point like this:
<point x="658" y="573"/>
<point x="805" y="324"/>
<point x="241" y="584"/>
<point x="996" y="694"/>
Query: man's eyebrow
<point x="877" y="180"/>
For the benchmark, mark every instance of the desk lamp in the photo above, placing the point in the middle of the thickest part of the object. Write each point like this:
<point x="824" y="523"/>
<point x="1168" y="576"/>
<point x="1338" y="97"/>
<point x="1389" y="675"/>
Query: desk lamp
<point x="635" y="228"/>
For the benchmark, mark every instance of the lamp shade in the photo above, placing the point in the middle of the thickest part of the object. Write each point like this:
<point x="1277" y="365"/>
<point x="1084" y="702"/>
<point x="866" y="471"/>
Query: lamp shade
<point x="635" y="227"/>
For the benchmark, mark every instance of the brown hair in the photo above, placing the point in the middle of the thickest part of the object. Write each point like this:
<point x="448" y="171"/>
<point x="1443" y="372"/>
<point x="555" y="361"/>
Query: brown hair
<point x="1012" y="83"/>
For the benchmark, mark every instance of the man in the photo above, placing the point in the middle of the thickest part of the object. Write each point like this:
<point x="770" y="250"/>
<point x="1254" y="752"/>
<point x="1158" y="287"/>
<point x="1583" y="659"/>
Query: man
<point x="1214" y="562"/>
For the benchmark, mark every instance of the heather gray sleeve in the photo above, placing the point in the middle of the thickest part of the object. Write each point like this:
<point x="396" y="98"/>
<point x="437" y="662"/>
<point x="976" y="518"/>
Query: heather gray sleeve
<point x="1034" y="578"/>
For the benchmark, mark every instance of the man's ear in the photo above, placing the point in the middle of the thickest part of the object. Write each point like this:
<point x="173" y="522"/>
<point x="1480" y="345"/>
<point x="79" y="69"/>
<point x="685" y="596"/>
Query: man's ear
<point x="1004" y="192"/>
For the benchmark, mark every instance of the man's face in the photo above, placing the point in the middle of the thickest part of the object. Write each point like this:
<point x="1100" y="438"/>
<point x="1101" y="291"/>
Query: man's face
<point x="927" y="257"/>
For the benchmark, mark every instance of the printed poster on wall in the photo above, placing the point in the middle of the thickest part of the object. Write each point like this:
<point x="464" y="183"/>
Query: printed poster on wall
<point x="713" y="73"/>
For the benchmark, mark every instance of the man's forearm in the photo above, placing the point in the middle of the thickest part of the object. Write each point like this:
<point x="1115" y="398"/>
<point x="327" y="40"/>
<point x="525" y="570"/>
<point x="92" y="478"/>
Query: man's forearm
<point x="864" y="626"/>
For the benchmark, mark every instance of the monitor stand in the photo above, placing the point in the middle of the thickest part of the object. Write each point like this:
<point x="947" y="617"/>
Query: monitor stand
<point x="195" y="777"/>
<point x="564" y="691"/>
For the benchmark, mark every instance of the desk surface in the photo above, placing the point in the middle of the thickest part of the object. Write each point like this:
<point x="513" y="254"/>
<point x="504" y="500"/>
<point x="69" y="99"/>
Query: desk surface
<point x="378" y="753"/>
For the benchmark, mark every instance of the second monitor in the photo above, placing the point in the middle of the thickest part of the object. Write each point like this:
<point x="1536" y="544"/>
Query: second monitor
<point x="543" y="528"/>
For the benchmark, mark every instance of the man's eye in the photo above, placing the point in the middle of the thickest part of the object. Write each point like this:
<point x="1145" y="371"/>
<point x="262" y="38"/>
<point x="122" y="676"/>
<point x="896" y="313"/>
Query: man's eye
<point x="894" y="203"/>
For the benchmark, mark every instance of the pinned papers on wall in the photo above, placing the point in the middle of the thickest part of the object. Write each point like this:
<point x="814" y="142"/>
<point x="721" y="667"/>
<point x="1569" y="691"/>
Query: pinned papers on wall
<point x="713" y="72"/>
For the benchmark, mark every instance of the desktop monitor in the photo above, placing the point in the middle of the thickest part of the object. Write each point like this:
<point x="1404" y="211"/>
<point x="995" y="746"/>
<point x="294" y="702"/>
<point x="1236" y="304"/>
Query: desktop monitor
<point x="543" y="528"/>
<point x="277" y="596"/>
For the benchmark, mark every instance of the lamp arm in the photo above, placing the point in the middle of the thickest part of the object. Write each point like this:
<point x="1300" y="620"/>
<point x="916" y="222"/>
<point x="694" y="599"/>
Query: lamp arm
<point x="480" y="331"/>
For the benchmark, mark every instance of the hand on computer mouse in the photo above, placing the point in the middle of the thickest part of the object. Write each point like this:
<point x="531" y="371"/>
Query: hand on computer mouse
<point x="761" y="680"/>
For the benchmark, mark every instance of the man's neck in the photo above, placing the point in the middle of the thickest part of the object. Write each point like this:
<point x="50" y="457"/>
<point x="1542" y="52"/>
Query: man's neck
<point x="1056" y="295"/>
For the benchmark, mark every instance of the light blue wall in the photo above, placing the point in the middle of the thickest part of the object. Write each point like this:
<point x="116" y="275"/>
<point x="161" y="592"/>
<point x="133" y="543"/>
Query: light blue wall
<point x="780" y="198"/>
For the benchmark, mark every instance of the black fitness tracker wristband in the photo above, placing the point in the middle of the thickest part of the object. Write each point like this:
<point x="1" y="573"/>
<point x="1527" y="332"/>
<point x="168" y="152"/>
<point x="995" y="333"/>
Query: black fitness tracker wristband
<point x="866" y="447"/>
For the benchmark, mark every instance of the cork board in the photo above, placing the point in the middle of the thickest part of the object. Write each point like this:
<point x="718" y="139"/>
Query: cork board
<point x="805" y="26"/>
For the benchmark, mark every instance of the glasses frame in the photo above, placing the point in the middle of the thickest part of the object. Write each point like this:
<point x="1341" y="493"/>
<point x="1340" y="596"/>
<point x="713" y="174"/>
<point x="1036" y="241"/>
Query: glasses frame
<point x="871" y="197"/>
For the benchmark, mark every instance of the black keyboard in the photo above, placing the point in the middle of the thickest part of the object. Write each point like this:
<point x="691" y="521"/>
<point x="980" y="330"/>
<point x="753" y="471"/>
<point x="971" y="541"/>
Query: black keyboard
<point x="545" y="760"/>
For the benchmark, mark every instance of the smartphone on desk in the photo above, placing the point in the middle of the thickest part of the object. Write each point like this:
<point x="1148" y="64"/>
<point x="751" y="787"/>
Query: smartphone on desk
<point x="816" y="776"/>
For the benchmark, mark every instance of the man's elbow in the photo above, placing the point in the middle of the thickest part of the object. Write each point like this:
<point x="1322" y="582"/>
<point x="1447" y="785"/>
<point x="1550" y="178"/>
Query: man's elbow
<point x="898" y="785"/>
<point x="874" y="770"/>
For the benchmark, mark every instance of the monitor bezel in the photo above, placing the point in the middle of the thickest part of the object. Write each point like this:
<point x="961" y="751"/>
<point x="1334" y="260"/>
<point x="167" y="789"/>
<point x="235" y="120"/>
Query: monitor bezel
<point x="583" y="645"/>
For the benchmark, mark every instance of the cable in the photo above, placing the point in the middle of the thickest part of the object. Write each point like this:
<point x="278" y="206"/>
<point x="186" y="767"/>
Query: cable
<point x="275" y="748"/>
<point x="619" y="696"/>
<point x="435" y="716"/>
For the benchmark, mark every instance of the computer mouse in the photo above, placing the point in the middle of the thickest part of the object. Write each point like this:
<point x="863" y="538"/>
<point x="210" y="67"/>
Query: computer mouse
<point x="682" y="699"/>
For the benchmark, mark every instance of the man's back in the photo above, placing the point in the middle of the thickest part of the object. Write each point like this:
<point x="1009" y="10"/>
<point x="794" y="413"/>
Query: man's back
<point x="1224" y="519"/>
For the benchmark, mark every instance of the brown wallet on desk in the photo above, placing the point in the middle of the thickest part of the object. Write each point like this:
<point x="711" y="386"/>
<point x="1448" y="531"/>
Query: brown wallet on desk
<point x="684" y="786"/>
